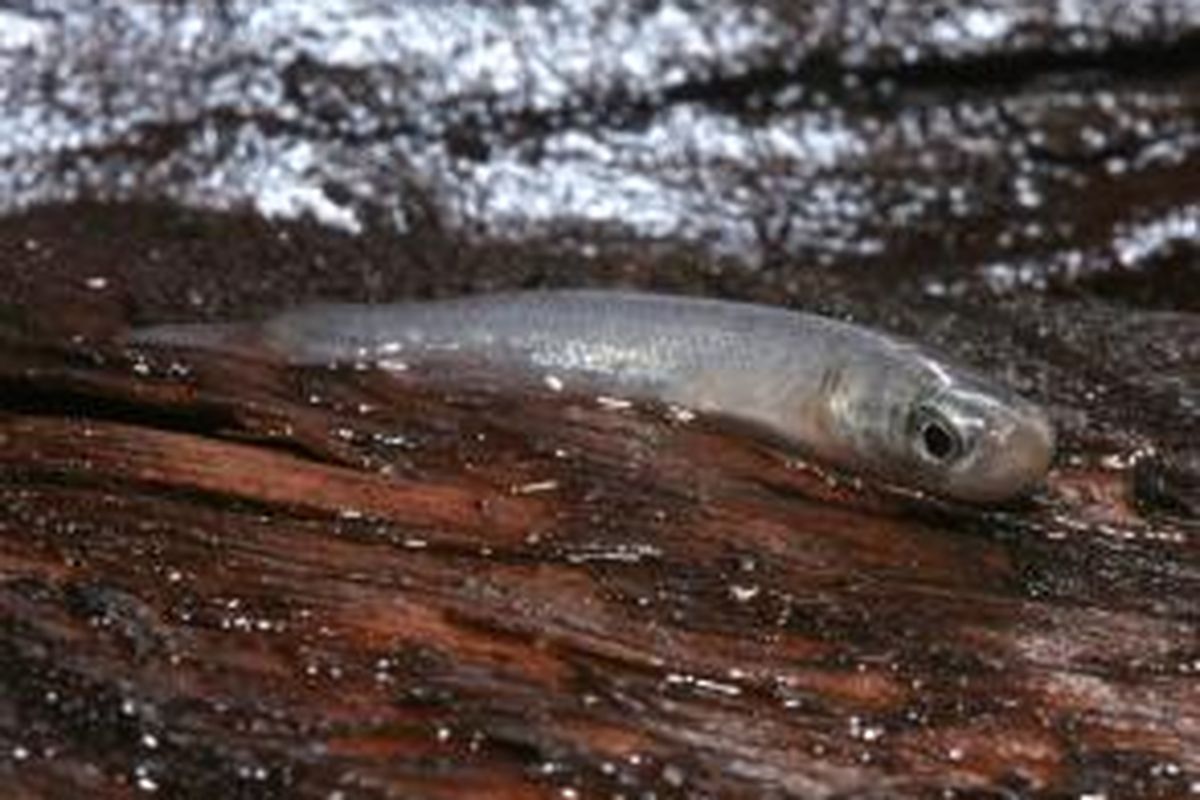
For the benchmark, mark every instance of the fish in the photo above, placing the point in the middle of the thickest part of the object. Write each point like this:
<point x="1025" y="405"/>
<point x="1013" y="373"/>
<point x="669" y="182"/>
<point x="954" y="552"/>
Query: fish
<point x="842" y="394"/>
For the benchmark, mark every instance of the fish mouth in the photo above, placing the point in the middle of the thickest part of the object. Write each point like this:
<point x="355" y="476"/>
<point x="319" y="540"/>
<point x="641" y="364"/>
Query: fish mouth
<point x="1013" y="458"/>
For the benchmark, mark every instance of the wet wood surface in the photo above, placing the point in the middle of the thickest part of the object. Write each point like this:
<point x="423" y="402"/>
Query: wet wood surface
<point x="235" y="574"/>
<point x="226" y="577"/>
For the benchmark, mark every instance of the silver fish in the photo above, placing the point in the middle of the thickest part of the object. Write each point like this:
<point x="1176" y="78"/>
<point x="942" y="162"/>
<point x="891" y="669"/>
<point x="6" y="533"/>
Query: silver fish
<point x="844" y="394"/>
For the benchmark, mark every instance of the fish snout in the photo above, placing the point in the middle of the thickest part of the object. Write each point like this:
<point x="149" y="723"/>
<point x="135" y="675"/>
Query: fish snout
<point x="1014" y="455"/>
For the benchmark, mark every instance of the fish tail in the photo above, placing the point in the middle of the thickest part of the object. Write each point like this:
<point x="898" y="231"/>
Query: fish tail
<point x="202" y="336"/>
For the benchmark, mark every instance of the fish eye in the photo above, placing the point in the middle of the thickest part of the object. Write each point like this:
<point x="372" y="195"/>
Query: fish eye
<point x="936" y="438"/>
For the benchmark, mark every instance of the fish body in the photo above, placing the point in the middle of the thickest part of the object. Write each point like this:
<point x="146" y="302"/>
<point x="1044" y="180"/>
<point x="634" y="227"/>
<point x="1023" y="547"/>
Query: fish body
<point x="846" y="394"/>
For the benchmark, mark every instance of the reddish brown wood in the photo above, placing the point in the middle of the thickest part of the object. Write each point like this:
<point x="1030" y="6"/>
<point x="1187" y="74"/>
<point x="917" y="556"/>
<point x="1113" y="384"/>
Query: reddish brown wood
<point x="537" y="594"/>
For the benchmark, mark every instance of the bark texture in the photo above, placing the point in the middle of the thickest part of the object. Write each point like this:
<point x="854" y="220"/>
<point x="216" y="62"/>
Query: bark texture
<point x="224" y="577"/>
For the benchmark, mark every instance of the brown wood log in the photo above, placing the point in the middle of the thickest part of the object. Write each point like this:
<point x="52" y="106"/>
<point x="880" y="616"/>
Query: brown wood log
<point x="570" y="598"/>
<point x="222" y="577"/>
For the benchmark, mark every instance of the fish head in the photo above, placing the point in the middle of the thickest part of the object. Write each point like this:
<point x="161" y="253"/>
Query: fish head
<point x="973" y="440"/>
